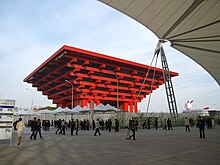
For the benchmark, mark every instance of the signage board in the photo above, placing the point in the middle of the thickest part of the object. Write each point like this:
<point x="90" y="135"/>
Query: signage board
<point x="6" y="118"/>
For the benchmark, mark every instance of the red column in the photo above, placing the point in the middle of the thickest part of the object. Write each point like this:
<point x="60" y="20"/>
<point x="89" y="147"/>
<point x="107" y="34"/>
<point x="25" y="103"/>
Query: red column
<point x="124" y="106"/>
<point x="84" y="102"/>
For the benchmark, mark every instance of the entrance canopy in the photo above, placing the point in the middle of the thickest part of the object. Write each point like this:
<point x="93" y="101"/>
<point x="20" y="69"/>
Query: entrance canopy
<point x="191" y="26"/>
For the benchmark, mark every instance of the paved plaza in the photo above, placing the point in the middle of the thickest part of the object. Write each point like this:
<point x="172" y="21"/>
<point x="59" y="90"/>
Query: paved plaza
<point x="173" y="147"/>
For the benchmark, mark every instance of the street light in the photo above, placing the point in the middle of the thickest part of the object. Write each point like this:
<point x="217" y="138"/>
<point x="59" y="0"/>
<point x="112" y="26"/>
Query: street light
<point x="117" y="90"/>
<point x="32" y="100"/>
<point x="72" y="92"/>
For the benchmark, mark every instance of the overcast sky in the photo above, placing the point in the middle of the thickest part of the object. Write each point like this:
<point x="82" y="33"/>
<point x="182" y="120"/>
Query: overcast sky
<point x="31" y="31"/>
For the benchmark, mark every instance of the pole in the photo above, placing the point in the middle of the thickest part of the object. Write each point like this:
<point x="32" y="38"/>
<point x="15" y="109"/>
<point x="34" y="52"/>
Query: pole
<point x="72" y="93"/>
<point x="117" y="93"/>
<point x="92" y="110"/>
<point x="32" y="100"/>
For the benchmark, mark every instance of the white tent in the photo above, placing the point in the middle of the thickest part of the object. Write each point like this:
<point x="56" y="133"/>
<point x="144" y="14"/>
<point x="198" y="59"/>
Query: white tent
<point x="67" y="111"/>
<point x="77" y="109"/>
<point x="58" y="110"/>
<point x="85" y="109"/>
<point x="21" y="113"/>
<point x="100" y="108"/>
<point x="108" y="108"/>
<point x="31" y="113"/>
<point x="45" y="111"/>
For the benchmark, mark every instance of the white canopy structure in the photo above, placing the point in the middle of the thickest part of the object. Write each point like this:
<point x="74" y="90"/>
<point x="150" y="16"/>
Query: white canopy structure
<point x="45" y="111"/>
<point x="77" y="109"/>
<point x="31" y="112"/>
<point x="104" y="108"/>
<point x="85" y="109"/>
<point x="67" y="111"/>
<point x="191" y="26"/>
<point x="99" y="108"/>
<point x="109" y="108"/>
<point x="25" y="113"/>
<point x="21" y="113"/>
<point x="58" y="110"/>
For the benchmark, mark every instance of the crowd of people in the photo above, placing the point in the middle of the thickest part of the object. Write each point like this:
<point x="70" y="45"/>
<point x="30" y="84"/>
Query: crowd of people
<point x="62" y="125"/>
<point x="98" y="125"/>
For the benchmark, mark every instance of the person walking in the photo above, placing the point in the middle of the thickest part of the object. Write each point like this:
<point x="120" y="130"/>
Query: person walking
<point x="201" y="126"/>
<point x="213" y="123"/>
<point x="63" y="127"/>
<point x="109" y="125"/>
<point x="77" y="126"/>
<point x="169" y="124"/>
<point x="20" y="127"/>
<point x="93" y="124"/>
<point x="136" y="124"/>
<point x="72" y="126"/>
<point x="144" y="124"/>
<point x="34" y="128"/>
<point x="87" y="124"/>
<point x="133" y="129"/>
<point x="59" y="128"/>
<point x="165" y="124"/>
<point x="148" y="123"/>
<point x="128" y="130"/>
<point x="116" y="125"/>
<point x="39" y="128"/>
<point x="186" y="122"/>
<point x="97" y="127"/>
<point x="14" y="124"/>
<point x="156" y="123"/>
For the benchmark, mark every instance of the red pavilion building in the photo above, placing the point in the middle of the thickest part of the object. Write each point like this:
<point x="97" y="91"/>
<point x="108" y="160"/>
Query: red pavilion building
<point x="94" y="78"/>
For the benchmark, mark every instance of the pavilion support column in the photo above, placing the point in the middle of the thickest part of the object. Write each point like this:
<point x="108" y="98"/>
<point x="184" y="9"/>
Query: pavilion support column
<point x="84" y="102"/>
<point x="124" y="106"/>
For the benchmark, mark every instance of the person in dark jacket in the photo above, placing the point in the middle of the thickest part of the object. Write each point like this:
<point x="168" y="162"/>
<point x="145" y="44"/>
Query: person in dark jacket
<point x="169" y="124"/>
<point x="34" y="128"/>
<point x="14" y="124"/>
<point x="59" y="128"/>
<point x="109" y="125"/>
<point x="72" y="126"/>
<point x="133" y="129"/>
<point x="39" y="128"/>
<point x="148" y="123"/>
<point x="77" y="126"/>
<point x="156" y="123"/>
<point x="201" y="126"/>
<point x="116" y="125"/>
<point x="144" y="124"/>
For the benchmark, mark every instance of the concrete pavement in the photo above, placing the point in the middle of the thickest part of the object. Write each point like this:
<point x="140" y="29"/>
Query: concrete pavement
<point x="173" y="147"/>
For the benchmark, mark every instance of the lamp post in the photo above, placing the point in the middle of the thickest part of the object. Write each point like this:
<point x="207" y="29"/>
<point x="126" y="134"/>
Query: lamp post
<point x="72" y="92"/>
<point x="117" y="90"/>
<point x="32" y="100"/>
<point x="117" y="93"/>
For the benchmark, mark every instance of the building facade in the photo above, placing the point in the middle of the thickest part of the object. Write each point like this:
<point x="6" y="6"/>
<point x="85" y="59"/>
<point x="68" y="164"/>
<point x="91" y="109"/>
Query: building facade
<point x="73" y="76"/>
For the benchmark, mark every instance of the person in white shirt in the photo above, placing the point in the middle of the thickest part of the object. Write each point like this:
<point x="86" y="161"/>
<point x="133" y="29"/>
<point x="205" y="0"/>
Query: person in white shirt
<point x="97" y="126"/>
<point x="186" y="122"/>
<point x="20" y="127"/>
